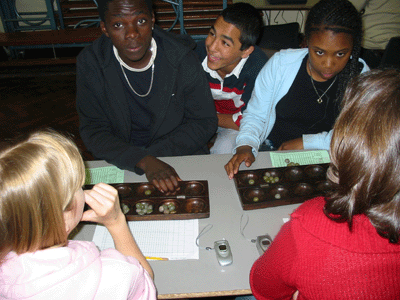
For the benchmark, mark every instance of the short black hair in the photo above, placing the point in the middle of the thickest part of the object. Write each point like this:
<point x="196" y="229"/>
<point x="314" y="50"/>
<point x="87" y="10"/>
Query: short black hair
<point x="102" y="7"/>
<point x="247" y="19"/>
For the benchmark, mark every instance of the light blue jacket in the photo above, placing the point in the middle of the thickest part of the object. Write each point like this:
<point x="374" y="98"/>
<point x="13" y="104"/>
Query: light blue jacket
<point x="272" y="83"/>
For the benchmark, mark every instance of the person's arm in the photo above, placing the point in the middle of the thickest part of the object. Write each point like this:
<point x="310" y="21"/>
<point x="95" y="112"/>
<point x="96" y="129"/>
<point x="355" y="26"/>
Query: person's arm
<point x="243" y="154"/>
<point x="295" y="144"/>
<point x="320" y="140"/>
<point x="259" y="116"/>
<point x="248" y="76"/>
<point x="105" y="209"/>
<point x="226" y="121"/>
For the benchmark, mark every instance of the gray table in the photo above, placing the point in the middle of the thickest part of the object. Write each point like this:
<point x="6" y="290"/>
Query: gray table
<point x="205" y="277"/>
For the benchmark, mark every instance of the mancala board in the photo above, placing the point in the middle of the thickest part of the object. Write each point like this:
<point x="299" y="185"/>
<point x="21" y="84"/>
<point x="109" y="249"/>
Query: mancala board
<point x="270" y="187"/>
<point x="142" y="201"/>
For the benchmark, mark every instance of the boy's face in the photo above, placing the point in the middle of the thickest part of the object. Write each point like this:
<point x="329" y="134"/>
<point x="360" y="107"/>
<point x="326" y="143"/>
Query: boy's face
<point x="128" y="23"/>
<point x="223" y="47"/>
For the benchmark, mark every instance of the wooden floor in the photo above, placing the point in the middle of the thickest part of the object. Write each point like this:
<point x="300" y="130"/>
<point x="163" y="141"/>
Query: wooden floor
<point x="39" y="97"/>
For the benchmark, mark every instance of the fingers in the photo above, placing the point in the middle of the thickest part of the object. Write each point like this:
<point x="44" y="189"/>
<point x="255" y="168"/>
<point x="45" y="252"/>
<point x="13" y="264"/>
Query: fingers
<point x="249" y="160"/>
<point x="167" y="185"/>
<point x="232" y="167"/>
<point x="162" y="175"/>
<point x="101" y="194"/>
<point x="104" y="202"/>
<point x="243" y="155"/>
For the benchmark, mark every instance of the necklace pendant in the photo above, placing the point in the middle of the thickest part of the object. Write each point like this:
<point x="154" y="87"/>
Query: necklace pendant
<point x="319" y="100"/>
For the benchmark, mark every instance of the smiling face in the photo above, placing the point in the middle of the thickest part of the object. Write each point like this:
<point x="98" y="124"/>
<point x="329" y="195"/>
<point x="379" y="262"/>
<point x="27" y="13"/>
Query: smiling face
<point x="329" y="53"/>
<point x="223" y="47"/>
<point x="128" y="23"/>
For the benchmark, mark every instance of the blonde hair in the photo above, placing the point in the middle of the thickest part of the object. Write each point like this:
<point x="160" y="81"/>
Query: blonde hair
<point x="39" y="176"/>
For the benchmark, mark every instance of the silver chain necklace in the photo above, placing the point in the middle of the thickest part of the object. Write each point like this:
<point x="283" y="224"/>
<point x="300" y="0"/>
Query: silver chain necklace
<point x="315" y="89"/>
<point x="151" y="82"/>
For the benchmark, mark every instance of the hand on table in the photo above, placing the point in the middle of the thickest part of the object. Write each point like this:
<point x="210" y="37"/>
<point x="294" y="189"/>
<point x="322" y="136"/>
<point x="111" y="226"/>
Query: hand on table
<point x="296" y="144"/>
<point x="243" y="154"/>
<point x="162" y="175"/>
<point x="104" y="203"/>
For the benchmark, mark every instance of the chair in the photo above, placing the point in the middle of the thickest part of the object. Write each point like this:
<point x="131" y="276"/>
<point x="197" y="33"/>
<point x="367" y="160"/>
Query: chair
<point x="279" y="37"/>
<point x="276" y="37"/>
<point x="391" y="55"/>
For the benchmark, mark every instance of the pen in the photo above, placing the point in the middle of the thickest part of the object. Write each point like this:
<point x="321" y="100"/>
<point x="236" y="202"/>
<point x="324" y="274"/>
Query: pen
<point x="156" y="258"/>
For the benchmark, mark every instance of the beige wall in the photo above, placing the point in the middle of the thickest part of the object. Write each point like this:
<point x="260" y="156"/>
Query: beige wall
<point x="26" y="6"/>
<point x="31" y="5"/>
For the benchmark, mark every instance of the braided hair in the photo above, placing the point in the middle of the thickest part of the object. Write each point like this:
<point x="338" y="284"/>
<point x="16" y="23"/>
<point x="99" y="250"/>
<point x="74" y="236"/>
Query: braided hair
<point x="338" y="16"/>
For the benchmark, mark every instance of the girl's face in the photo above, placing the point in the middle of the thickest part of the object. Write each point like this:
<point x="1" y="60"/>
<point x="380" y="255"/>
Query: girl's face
<point x="329" y="53"/>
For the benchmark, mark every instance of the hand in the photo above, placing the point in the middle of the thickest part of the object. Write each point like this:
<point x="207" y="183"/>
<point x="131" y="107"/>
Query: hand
<point x="243" y="153"/>
<point x="162" y="175"/>
<point x="104" y="203"/>
<point x="296" y="144"/>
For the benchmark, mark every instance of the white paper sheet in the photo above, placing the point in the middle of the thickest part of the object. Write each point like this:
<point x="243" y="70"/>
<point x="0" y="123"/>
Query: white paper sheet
<point x="175" y="240"/>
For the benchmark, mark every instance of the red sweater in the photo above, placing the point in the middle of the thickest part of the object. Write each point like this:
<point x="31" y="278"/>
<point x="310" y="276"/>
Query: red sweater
<point x="324" y="260"/>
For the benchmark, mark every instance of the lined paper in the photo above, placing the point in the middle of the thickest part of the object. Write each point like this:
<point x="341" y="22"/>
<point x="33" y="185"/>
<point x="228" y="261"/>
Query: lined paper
<point x="175" y="239"/>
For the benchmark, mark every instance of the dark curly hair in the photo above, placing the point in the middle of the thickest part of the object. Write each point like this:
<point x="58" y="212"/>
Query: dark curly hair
<point x="365" y="153"/>
<point x="338" y="16"/>
<point x="102" y="7"/>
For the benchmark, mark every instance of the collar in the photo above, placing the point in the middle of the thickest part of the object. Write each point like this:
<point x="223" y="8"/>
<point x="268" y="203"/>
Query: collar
<point x="153" y="49"/>
<point x="236" y="71"/>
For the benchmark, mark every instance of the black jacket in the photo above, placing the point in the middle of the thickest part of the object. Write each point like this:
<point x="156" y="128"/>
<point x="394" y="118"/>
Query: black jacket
<point x="183" y="112"/>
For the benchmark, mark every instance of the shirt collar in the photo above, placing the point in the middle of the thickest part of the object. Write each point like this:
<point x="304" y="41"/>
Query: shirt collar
<point x="236" y="71"/>
<point x="153" y="49"/>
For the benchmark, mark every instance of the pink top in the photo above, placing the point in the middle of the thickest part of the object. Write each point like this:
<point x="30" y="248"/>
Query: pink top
<point x="78" y="271"/>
